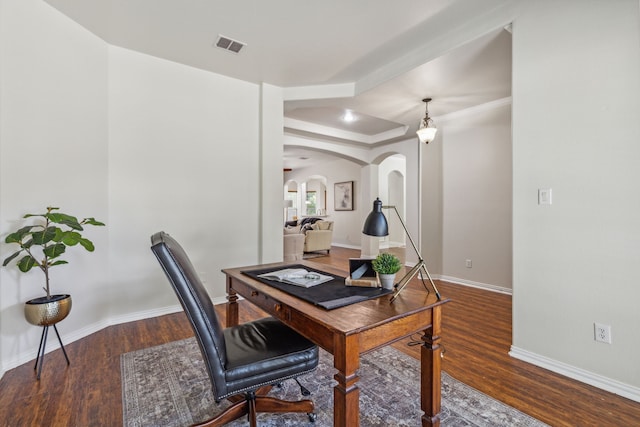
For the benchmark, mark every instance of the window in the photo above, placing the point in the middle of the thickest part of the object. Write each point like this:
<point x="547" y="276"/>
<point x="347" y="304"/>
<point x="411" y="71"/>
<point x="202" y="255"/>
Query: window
<point x="293" y="196"/>
<point x="311" y="203"/>
<point x="291" y="213"/>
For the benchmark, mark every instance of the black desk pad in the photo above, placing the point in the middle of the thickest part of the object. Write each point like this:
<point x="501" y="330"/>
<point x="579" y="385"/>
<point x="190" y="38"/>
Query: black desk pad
<point x="329" y="295"/>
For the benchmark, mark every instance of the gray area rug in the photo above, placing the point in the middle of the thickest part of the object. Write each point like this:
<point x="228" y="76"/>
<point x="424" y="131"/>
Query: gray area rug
<point x="167" y="385"/>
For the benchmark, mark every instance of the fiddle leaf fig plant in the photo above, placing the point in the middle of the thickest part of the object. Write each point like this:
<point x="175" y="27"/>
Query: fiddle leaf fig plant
<point x="43" y="243"/>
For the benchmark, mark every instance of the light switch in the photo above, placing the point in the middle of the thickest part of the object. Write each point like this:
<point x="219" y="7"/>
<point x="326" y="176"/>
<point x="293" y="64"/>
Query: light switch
<point x="544" y="196"/>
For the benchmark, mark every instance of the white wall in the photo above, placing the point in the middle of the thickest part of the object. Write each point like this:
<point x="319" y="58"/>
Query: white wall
<point x="53" y="151"/>
<point x="576" y="103"/>
<point x="477" y="202"/>
<point x="171" y="169"/>
<point x="431" y="200"/>
<point x="140" y="143"/>
<point x="346" y="224"/>
<point x="269" y="204"/>
<point x="392" y="191"/>
<point x="575" y="128"/>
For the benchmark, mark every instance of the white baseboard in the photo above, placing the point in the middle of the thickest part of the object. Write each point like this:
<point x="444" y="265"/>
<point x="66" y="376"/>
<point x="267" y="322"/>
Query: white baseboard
<point x="604" y="383"/>
<point x="464" y="282"/>
<point x="146" y="314"/>
<point x="344" y="245"/>
<point x="70" y="337"/>
<point x="472" y="284"/>
<point x="599" y="381"/>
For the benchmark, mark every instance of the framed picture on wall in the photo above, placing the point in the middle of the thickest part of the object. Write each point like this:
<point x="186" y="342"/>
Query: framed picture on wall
<point x="343" y="196"/>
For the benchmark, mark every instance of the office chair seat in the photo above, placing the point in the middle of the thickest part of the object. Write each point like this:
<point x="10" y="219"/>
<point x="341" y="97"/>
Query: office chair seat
<point x="242" y="361"/>
<point x="265" y="352"/>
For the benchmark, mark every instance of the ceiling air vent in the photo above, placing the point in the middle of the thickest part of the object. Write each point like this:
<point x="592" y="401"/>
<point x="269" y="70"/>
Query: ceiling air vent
<point x="229" y="44"/>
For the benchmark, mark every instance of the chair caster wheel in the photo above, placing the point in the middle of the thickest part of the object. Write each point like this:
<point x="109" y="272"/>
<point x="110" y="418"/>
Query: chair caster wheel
<point x="313" y="417"/>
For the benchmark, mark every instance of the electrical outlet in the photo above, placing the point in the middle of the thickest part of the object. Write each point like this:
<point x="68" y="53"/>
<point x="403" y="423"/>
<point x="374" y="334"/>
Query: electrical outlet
<point x="468" y="263"/>
<point x="602" y="333"/>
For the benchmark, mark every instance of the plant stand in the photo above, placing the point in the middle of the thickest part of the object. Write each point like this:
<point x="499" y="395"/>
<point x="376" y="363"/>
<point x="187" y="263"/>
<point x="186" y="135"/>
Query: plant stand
<point x="47" y="312"/>
<point x="43" y="345"/>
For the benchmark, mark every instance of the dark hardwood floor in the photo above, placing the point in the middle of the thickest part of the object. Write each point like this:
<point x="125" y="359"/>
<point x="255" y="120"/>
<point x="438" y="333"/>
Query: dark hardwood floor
<point x="476" y="338"/>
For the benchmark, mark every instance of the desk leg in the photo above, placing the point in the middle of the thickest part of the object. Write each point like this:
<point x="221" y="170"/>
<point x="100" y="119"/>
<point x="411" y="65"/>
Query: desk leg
<point x="430" y="379"/>
<point x="232" y="305"/>
<point x="346" y="394"/>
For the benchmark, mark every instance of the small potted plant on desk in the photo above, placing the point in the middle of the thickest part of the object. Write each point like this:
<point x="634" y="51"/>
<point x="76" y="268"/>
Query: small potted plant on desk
<point x="386" y="265"/>
<point x="42" y="245"/>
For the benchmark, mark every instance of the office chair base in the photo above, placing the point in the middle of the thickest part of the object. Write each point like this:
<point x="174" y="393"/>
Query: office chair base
<point x="251" y="404"/>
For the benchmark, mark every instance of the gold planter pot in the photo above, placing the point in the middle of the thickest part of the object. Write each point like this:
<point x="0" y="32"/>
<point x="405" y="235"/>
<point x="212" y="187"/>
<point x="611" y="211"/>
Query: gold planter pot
<point x="45" y="311"/>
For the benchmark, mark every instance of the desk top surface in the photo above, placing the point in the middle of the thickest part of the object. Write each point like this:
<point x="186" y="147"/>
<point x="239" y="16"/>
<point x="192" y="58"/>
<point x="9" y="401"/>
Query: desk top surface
<point x="355" y="318"/>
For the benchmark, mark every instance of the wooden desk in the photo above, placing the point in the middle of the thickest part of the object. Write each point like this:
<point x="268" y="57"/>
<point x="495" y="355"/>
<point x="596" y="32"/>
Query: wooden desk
<point x="350" y="331"/>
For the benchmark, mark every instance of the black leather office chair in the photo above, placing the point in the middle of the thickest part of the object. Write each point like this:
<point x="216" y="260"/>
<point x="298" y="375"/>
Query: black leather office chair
<point x="242" y="361"/>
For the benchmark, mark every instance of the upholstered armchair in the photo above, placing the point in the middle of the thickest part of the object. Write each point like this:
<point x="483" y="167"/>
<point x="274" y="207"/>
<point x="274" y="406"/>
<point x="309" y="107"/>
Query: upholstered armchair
<point x="319" y="237"/>
<point x="293" y="245"/>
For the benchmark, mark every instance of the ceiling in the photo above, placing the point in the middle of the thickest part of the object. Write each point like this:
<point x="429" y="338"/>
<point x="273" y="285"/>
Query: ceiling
<point x="297" y="43"/>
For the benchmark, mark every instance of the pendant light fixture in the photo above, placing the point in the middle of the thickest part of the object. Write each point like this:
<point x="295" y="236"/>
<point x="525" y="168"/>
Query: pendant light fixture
<point x="428" y="130"/>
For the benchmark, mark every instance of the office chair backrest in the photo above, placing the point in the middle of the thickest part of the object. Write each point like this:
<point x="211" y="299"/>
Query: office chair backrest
<point x="196" y="304"/>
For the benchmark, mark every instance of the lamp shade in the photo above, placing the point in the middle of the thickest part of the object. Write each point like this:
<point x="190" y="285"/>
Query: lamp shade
<point x="427" y="134"/>
<point x="288" y="203"/>
<point x="376" y="223"/>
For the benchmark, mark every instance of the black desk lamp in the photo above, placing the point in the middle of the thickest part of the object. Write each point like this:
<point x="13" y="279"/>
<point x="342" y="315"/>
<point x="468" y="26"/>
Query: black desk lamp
<point x="376" y="225"/>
